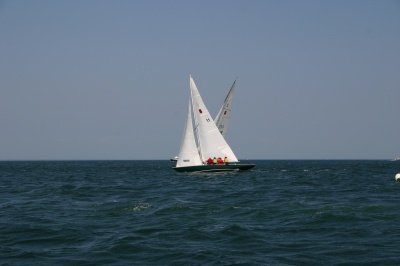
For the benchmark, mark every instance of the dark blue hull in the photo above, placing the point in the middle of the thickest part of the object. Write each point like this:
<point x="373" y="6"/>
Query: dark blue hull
<point x="215" y="168"/>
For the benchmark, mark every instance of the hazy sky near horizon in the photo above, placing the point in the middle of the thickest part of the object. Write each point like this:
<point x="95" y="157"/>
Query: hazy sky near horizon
<point x="110" y="79"/>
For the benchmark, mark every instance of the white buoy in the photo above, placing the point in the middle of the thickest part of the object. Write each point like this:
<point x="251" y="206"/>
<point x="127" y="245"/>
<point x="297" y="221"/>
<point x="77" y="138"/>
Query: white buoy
<point x="397" y="177"/>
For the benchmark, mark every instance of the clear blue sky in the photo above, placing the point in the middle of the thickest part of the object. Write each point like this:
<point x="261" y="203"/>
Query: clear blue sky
<point x="109" y="79"/>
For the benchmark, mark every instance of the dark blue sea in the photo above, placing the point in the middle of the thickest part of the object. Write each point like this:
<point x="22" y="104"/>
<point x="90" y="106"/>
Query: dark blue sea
<point x="144" y="213"/>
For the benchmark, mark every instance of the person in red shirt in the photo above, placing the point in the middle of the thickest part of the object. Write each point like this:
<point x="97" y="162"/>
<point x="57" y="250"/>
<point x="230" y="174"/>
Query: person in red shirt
<point x="209" y="161"/>
<point x="220" y="161"/>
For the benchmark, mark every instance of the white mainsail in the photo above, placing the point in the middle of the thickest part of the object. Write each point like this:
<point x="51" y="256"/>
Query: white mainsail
<point x="189" y="154"/>
<point x="222" y="118"/>
<point x="210" y="141"/>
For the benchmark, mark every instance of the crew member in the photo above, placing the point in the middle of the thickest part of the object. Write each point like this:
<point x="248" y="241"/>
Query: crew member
<point x="226" y="161"/>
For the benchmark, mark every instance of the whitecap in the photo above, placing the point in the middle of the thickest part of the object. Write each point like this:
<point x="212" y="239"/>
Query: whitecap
<point x="140" y="206"/>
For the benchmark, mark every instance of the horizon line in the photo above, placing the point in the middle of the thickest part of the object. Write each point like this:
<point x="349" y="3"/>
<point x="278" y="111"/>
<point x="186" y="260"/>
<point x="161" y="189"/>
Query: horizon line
<point x="270" y="159"/>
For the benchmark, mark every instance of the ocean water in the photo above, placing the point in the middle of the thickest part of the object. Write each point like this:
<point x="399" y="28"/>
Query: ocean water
<point x="144" y="213"/>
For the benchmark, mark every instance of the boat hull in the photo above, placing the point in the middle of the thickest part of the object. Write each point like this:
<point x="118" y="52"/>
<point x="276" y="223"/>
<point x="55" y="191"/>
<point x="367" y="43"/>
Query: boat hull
<point x="215" y="168"/>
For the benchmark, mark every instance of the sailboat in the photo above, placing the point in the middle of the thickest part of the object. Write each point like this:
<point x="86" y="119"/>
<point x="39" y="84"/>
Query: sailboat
<point x="222" y="118"/>
<point x="202" y="140"/>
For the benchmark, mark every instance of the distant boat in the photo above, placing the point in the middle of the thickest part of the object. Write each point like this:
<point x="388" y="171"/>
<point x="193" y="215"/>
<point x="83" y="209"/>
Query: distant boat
<point x="222" y="118"/>
<point x="204" y="141"/>
<point x="396" y="159"/>
<point x="174" y="159"/>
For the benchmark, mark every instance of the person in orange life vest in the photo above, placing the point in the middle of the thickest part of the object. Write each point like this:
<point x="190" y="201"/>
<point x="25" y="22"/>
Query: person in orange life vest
<point x="209" y="161"/>
<point x="220" y="161"/>
<point x="215" y="161"/>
